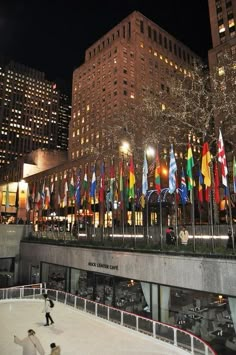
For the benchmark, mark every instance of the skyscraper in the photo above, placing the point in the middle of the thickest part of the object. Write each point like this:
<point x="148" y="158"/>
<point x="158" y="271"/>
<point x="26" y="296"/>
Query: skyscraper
<point x="135" y="55"/>
<point x="33" y="113"/>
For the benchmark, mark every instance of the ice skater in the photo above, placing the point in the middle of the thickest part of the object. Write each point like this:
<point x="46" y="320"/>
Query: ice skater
<point x="31" y="344"/>
<point x="55" y="349"/>
<point x="47" y="309"/>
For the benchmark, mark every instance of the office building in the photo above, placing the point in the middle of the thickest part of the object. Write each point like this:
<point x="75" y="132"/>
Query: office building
<point x="135" y="56"/>
<point x="33" y="113"/>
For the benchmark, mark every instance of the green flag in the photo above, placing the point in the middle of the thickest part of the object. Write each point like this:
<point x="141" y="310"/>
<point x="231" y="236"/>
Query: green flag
<point x="190" y="165"/>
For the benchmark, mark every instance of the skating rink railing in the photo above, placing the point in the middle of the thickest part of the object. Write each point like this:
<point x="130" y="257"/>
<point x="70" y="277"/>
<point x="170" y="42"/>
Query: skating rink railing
<point x="161" y="331"/>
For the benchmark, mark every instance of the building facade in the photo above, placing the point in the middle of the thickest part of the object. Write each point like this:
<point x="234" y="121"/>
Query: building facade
<point x="135" y="56"/>
<point x="33" y="113"/>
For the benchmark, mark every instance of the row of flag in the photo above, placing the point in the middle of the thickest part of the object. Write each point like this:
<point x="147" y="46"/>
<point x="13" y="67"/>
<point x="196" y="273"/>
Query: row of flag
<point x="124" y="188"/>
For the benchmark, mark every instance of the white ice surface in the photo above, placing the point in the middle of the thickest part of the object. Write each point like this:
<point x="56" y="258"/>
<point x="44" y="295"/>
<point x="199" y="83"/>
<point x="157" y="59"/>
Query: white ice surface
<point x="77" y="332"/>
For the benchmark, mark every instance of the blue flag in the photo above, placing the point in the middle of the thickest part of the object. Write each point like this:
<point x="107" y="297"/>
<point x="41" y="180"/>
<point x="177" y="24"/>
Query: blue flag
<point x="77" y="190"/>
<point x="93" y="184"/>
<point x="184" y="191"/>
<point x="145" y="174"/>
<point x="172" y="171"/>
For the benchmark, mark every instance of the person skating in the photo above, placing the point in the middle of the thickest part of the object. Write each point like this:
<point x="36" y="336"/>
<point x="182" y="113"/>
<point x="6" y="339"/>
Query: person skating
<point x="55" y="349"/>
<point x="30" y="344"/>
<point x="47" y="310"/>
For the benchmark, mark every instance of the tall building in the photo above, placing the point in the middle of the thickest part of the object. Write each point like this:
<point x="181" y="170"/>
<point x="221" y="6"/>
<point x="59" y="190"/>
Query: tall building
<point x="33" y="113"/>
<point x="135" y="55"/>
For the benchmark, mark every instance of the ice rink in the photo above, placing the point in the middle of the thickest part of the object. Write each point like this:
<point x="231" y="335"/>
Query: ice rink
<point x="77" y="332"/>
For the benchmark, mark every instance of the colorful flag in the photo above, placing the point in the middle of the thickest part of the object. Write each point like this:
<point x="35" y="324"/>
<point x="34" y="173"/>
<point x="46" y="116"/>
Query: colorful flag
<point x="234" y="174"/>
<point x="77" y="190"/>
<point x="184" y="192"/>
<point x="72" y="187"/>
<point x="65" y="193"/>
<point x="158" y="173"/>
<point x="172" y="171"/>
<point x="216" y="183"/>
<point x="85" y="185"/>
<point x="47" y="198"/>
<point x="112" y="181"/>
<point x="200" y="187"/>
<point x="102" y="183"/>
<point x="189" y="169"/>
<point x="121" y="183"/>
<point x="145" y="176"/>
<point x="42" y="195"/>
<point x="206" y="159"/>
<point x="222" y="159"/>
<point x="131" y="178"/>
<point x="93" y="185"/>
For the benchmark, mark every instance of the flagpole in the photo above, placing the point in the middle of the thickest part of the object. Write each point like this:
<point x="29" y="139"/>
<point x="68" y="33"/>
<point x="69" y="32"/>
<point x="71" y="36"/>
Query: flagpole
<point x="230" y="216"/>
<point x="176" y="220"/>
<point x="161" y="228"/>
<point x="193" y="218"/>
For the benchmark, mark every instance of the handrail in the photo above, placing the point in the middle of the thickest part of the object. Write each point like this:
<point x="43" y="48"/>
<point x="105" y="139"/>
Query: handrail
<point x="158" y="330"/>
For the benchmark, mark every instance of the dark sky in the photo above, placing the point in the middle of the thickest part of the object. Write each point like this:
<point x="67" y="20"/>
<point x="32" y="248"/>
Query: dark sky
<point x="52" y="36"/>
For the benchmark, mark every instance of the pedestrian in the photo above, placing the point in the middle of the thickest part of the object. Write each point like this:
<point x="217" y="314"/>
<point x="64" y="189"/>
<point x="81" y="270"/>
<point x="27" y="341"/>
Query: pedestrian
<point x="47" y="310"/>
<point x="183" y="235"/>
<point x="31" y="344"/>
<point x="230" y="240"/>
<point x="170" y="236"/>
<point x="55" y="349"/>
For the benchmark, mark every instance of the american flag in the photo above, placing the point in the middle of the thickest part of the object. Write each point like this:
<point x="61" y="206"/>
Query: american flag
<point x="222" y="159"/>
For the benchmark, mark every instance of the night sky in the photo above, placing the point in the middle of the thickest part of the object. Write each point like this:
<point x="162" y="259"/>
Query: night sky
<point x="52" y="36"/>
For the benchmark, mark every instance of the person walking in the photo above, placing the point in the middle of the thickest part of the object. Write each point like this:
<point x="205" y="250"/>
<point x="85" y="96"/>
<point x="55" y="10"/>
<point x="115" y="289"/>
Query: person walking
<point x="183" y="235"/>
<point x="47" y="310"/>
<point x="31" y="344"/>
<point x="55" y="349"/>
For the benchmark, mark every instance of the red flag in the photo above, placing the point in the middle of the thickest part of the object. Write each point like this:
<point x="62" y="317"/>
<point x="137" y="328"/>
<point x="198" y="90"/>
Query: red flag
<point x="207" y="194"/>
<point x="217" y="183"/>
<point x="102" y="184"/>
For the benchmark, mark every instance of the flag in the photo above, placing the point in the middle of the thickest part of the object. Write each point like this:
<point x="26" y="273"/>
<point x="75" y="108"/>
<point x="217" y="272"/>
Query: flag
<point x="112" y="181"/>
<point x="222" y="159"/>
<point x="102" y="183"/>
<point x="144" y="177"/>
<point x="158" y="173"/>
<point x="216" y="183"/>
<point x="65" y="195"/>
<point x="184" y="192"/>
<point x="85" y="184"/>
<point x="189" y="169"/>
<point x="33" y="193"/>
<point x="93" y="185"/>
<point x="172" y="171"/>
<point x="77" y="190"/>
<point x="200" y="183"/>
<point x="121" y="183"/>
<point x="72" y="188"/>
<point x="42" y="195"/>
<point x="47" y="198"/>
<point x="131" y="178"/>
<point x="234" y="174"/>
<point x="52" y="195"/>
<point x="206" y="159"/>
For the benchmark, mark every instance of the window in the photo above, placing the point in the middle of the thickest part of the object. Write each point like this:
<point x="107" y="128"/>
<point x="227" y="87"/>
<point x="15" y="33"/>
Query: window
<point x="141" y="26"/>
<point x="155" y="35"/>
<point x="125" y="92"/>
<point x="175" y="49"/>
<point x="160" y="39"/>
<point x="170" y="45"/>
<point x="165" y="42"/>
<point x="149" y="32"/>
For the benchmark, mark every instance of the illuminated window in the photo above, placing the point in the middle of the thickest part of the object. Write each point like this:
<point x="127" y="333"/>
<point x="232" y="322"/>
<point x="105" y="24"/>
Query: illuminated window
<point x="88" y="108"/>
<point x="155" y="53"/>
<point x="132" y="95"/>
<point x="166" y="60"/>
<point x="231" y="23"/>
<point x="163" y="107"/>
<point x="161" y="57"/>
<point x="141" y="44"/>
<point x="222" y="28"/>
<point x="221" y="71"/>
